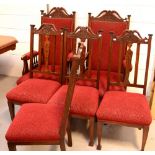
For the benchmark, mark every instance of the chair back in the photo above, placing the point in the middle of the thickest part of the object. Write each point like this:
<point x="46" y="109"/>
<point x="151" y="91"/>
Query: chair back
<point x="106" y="22"/>
<point x="62" y="20"/>
<point x="47" y="49"/>
<point x="130" y="43"/>
<point x="85" y="35"/>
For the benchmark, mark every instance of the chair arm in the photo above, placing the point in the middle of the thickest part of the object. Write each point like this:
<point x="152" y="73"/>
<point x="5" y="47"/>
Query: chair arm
<point x="25" y="59"/>
<point x="26" y="56"/>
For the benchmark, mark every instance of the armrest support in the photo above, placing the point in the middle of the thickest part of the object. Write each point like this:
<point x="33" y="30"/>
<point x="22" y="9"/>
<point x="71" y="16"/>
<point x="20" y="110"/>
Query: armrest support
<point x="25" y="59"/>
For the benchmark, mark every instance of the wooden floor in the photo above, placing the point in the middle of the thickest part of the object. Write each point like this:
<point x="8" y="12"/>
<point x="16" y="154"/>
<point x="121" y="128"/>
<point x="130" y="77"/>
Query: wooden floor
<point x="114" y="137"/>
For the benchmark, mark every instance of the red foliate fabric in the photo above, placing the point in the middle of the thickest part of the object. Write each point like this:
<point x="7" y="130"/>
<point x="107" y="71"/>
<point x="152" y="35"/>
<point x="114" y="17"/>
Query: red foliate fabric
<point x="61" y="23"/>
<point x="36" y="122"/>
<point x="107" y="27"/>
<point x="124" y="107"/>
<point x="84" y="102"/>
<point x="42" y="75"/>
<point x="33" y="90"/>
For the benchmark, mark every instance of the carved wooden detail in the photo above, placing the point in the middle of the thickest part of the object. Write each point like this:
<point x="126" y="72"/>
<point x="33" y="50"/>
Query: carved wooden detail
<point x="131" y="37"/>
<point x="108" y="15"/>
<point x="57" y="12"/>
<point x="128" y="58"/>
<point x="83" y="33"/>
<point x="47" y="29"/>
<point x="46" y="52"/>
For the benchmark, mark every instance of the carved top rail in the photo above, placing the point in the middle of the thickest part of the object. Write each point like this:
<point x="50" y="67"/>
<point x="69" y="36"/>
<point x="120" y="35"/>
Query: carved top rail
<point x="46" y="29"/>
<point x="83" y="33"/>
<point x="131" y="36"/>
<point x="108" y="15"/>
<point x="57" y="12"/>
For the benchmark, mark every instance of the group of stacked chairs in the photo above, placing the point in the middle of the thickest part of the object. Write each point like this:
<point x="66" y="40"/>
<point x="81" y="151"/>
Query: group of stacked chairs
<point x="78" y="72"/>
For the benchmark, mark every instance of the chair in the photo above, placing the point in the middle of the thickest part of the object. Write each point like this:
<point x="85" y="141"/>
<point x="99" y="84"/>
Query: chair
<point x="43" y="124"/>
<point x="106" y="22"/>
<point x="121" y="107"/>
<point x="40" y="89"/>
<point x="85" y="99"/>
<point x="61" y="19"/>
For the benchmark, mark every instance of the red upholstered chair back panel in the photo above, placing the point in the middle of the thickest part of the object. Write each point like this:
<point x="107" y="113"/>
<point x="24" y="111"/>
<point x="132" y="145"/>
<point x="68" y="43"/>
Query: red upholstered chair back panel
<point x="59" y="22"/>
<point x="107" y="27"/>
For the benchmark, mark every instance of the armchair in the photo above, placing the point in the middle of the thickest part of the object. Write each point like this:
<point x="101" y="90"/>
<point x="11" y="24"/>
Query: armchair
<point x="40" y="89"/>
<point x="106" y="22"/>
<point x="62" y="20"/>
<point x="121" y="107"/>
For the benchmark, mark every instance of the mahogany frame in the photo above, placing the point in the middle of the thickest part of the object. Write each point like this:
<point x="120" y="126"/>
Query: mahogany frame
<point x="129" y="37"/>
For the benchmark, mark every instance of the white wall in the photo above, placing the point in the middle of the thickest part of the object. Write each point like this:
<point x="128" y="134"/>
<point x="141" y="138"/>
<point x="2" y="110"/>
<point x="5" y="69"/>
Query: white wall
<point x="17" y="15"/>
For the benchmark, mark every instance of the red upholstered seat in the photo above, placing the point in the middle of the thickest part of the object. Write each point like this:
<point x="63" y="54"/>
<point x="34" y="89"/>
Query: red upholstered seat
<point x="102" y="82"/>
<point x="124" y="107"/>
<point x="41" y="75"/>
<point x="84" y="102"/>
<point x="36" y="123"/>
<point x="33" y="90"/>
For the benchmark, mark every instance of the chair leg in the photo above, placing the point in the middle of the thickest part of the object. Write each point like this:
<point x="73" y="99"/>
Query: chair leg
<point x="62" y="145"/>
<point x="145" y="134"/>
<point x="69" y="133"/>
<point x="11" y="147"/>
<point x="91" y="131"/>
<point x="11" y="109"/>
<point x="99" y="135"/>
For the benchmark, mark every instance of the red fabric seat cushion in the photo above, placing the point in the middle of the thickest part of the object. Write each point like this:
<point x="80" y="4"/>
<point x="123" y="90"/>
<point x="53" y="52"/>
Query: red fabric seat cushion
<point x="42" y="75"/>
<point x="84" y="102"/>
<point x="33" y="90"/>
<point x="124" y="107"/>
<point x="102" y="81"/>
<point x="36" y="123"/>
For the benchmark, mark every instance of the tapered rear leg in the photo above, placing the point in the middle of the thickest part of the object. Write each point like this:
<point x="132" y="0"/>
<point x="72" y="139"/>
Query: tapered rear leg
<point x="99" y="135"/>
